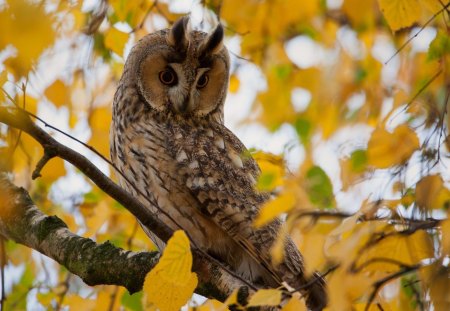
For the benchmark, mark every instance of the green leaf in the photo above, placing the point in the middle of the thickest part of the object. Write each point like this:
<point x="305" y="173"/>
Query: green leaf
<point x="320" y="189"/>
<point x="439" y="46"/>
<point x="358" y="159"/>
<point x="92" y="197"/>
<point x="360" y="75"/>
<point x="132" y="302"/>
<point x="283" y="71"/>
<point x="303" y="129"/>
<point x="17" y="299"/>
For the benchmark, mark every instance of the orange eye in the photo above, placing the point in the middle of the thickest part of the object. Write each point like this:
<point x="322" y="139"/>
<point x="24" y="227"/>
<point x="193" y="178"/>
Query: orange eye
<point x="202" y="81"/>
<point x="168" y="77"/>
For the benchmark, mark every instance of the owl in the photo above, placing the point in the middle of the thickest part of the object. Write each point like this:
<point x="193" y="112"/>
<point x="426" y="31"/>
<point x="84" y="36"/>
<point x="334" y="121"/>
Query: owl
<point x="168" y="138"/>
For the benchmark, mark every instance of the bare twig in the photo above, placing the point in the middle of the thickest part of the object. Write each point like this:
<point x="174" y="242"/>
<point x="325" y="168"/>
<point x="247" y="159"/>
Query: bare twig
<point x="380" y="283"/>
<point x="48" y="155"/>
<point x="417" y="94"/>
<point x="113" y="298"/>
<point x="319" y="277"/>
<point x="97" y="18"/>
<point x="417" y="33"/>
<point x="62" y="295"/>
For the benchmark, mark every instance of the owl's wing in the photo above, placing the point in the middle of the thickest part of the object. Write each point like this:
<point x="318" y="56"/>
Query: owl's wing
<point x="220" y="173"/>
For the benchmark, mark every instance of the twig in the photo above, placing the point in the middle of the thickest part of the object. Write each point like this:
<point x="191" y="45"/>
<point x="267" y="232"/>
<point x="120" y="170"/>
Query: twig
<point x="97" y="18"/>
<point x="380" y="283"/>
<point x="133" y="233"/>
<point x="377" y="260"/>
<point x="49" y="153"/>
<point x="417" y="94"/>
<point x="113" y="299"/>
<point x="63" y="294"/>
<point x="417" y="33"/>
<point x="317" y="278"/>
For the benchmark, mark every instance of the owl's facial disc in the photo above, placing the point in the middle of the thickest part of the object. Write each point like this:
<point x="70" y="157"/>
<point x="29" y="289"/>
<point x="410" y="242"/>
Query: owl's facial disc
<point x="188" y="73"/>
<point x="185" y="96"/>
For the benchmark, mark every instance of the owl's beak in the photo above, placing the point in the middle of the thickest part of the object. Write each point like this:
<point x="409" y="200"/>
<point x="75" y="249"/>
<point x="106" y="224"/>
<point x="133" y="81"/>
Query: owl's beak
<point x="185" y="106"/>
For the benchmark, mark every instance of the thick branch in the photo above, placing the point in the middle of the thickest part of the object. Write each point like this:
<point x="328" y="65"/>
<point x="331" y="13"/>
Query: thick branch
<point x="23" y="222"/>
<point x="215" y="281"/>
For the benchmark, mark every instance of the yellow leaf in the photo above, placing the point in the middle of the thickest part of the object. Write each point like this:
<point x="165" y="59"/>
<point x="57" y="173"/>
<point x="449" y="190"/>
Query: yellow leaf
<point x="360" y="13"/>
<point x="3" y="79"/>
<point x="95" y="215"/>
<point x="387" y="149"/>
<point x="175" y="266"/>
<point x="79" y="303"/>
<point x="311" y="241"/>
<point x="265" y="297"/>
<point x="346" y="287"/>
<point x="29" y="103"/>
<point x="431" y="193"/>
<point x="445" y="243"/>
<point x="115" y="40"/>
<point x="400" y="13"/>
<point x="407" y="250"/>
<point x="343" y="243"/>
<point x="46" y="299"/>
<point x="29" y="29"/>
<point x="210" y="305"/>
<point x="100" y="120"/>
<point x="53" y="170"/>
<point x="432" y="6"/>
<point x="58" y="93"/>
<point x="105" y="296"/>
<point x="133" y="12"/>
<point x="281" y="204"/>
<point x="69" y="220"/>
<point x="439" y="289"/>
<point x="276" y="100"/>
<point x="294" y="304"/>
<point x="232" y="299"/>
<point x="171" y="283"/>
<point x="272" y="170"/>
<point x="79" y="19"/>
<point x="329" y="120"/>
<point x="234" y="84"/>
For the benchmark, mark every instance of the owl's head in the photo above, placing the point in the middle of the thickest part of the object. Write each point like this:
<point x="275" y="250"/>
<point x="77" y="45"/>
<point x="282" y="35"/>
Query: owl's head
<point x="183" y="71"/>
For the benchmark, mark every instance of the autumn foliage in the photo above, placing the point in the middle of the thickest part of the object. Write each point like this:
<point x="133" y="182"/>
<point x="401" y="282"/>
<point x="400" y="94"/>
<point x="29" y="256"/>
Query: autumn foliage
<point x="359" y="88"/>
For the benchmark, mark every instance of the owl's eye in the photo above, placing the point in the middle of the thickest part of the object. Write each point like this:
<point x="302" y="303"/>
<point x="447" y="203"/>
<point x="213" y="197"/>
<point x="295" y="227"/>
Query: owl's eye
<point x="202" y="81"/>
<point x="168" y="77"/>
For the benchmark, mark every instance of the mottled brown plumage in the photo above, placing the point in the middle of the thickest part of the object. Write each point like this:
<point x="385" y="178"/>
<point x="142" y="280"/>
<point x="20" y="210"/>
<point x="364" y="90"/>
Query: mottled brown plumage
<point x="168" y="138"/>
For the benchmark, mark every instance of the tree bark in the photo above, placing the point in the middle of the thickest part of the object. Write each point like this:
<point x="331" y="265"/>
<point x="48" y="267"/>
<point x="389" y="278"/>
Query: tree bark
<point x="22" y="222"/>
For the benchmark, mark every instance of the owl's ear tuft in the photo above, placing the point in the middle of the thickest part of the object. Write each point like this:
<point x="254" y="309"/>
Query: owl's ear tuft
<point x="178" y="34"/>
<point x="214" y="42"/>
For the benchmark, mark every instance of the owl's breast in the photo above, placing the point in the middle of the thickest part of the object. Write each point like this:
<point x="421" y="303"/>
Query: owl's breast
<point x="144" y="156"/>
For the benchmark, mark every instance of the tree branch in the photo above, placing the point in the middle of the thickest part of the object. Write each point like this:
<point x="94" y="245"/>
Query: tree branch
<point x="214" y="280"/>
<point x="22" y="222"/>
